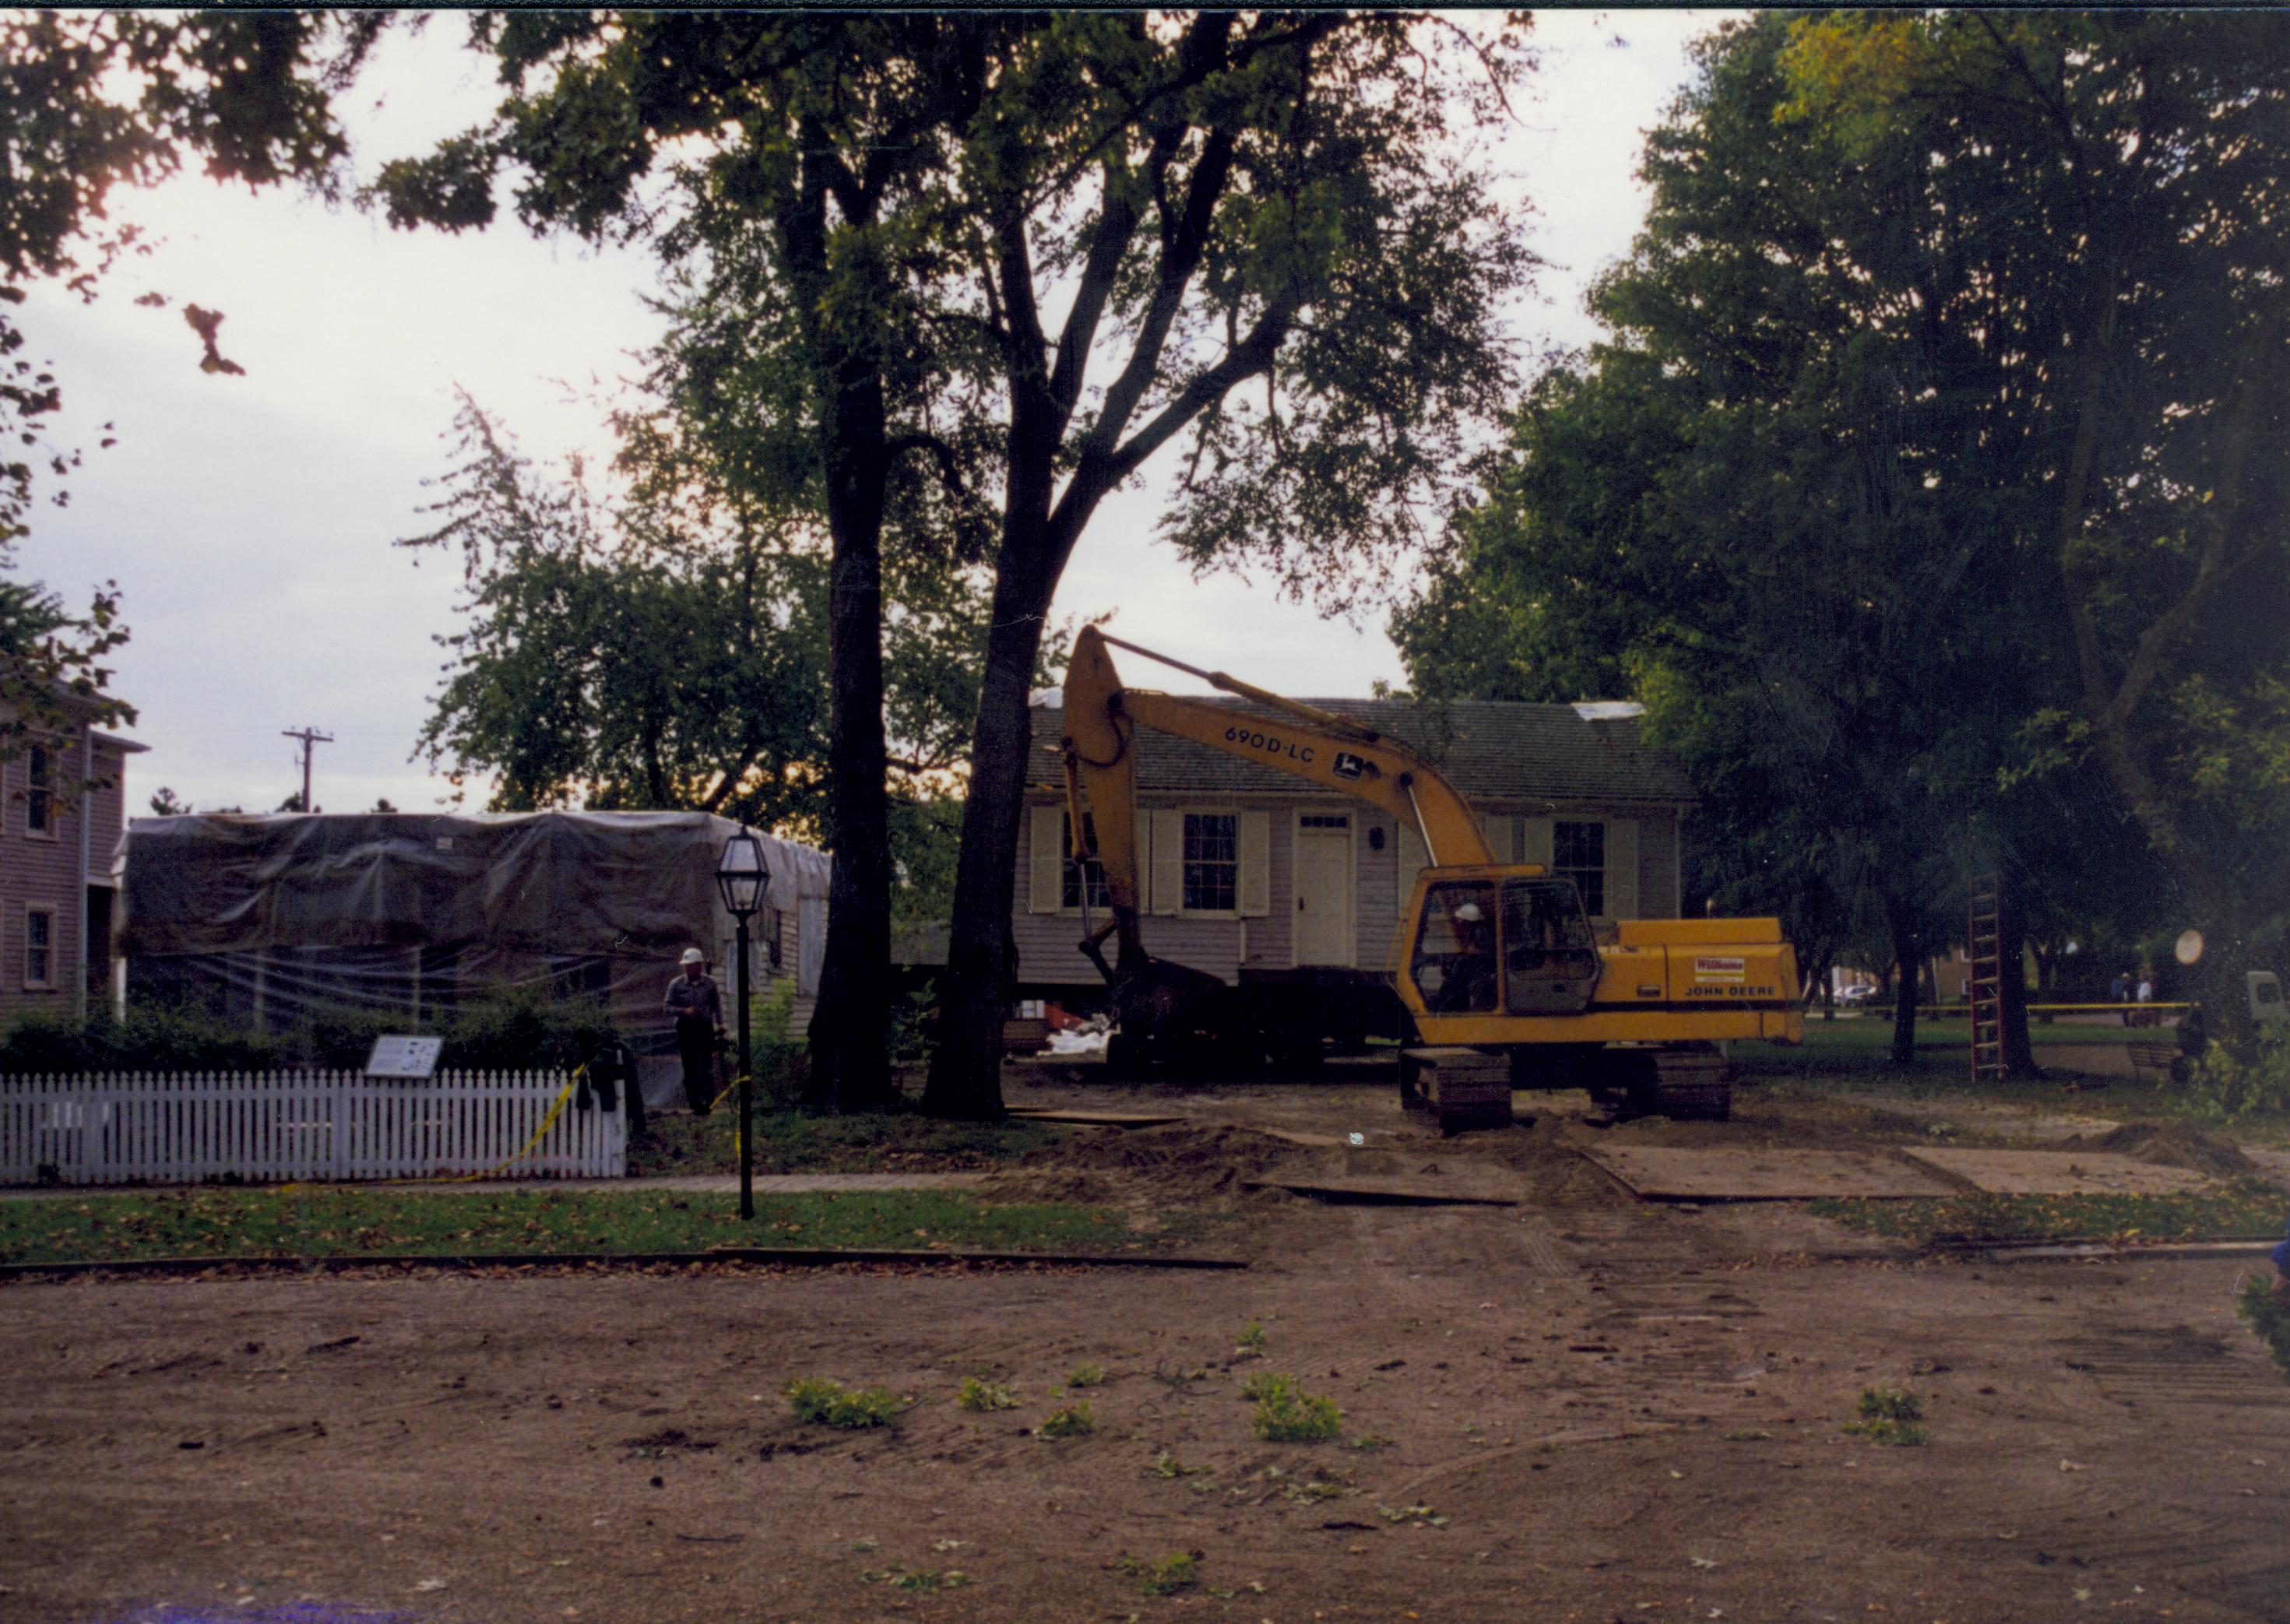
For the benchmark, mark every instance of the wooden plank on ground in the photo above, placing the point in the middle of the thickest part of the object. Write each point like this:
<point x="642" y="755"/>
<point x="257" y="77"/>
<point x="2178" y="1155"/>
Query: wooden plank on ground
<point x="1676" y="1173"/>
<point x="1394" y="1192"/>
<point x="2059" y="1172"/>
<point x="1096" y="1119"/>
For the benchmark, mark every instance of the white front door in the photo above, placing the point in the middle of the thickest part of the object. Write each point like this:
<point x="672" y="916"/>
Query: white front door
<point x="1324" y="888"/>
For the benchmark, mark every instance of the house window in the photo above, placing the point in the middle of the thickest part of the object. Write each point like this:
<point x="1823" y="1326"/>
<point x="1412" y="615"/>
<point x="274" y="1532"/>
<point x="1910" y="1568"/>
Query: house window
<point x="1212" y="862"/>
<point x="1088" y="872"/>
<point x="39" y="796"/>
<point x="39" y="947"/>
<point x="1578" y="853"/>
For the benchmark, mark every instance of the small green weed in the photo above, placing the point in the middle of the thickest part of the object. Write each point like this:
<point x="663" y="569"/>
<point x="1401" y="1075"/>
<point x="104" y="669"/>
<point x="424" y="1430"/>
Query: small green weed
<point x="1288" y="1414"/>
<point x="1411" y="1514"/>
<point x="1888" y="1416"/>
<point x="1086" y="1376"/>
<point x="815" y="1398"/>
<point x="1071" y="1423"/>
<point x="1166" y="1577"/>
<point x="1312" y="1490"/>
<point x="2269" y="1319"/>
<point x="1252" y="1341"/>
<point x="1371" y="1442"/>
<point x="1748" y="1435"/>
<point x="980" y="1396"/>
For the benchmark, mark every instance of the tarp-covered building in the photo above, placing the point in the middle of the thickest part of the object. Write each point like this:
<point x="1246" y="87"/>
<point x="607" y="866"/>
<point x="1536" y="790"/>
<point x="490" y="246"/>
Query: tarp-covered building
<point x="269" y="919"/>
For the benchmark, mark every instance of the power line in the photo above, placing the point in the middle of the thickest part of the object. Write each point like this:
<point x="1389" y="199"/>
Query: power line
<point x="308" y="736"/>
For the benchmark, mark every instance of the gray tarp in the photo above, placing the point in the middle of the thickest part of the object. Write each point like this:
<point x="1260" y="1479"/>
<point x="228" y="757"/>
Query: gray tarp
<point x="272" y="917"/>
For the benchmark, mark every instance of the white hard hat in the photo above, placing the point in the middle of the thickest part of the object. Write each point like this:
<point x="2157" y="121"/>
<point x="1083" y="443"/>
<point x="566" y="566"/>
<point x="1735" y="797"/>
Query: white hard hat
<point x="1470" y="913"/>
<point x="693" y="955"/>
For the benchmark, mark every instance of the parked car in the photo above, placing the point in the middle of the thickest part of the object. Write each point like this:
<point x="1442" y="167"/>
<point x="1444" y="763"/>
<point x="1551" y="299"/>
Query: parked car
<point x="1860" y="993"/>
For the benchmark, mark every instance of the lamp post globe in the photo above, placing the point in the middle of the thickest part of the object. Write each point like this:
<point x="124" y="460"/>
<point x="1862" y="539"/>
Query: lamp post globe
<point x="743" y="878"/>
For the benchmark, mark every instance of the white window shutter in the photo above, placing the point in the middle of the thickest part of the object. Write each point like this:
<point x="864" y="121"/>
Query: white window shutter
<point x="1168" y="861"/>
<point x="1046" y="860"/>
<point x="1412" y="862"/>
<point x="1500" y="828"/>
<point x="1622" y="869"/>
<point x="1536" y="840"/>
<point x="1255" y="886"/>
<point x="1144" y="853"/>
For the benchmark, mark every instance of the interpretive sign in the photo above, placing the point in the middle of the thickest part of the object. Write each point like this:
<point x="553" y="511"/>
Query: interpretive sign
<point x="413" y="1058"/>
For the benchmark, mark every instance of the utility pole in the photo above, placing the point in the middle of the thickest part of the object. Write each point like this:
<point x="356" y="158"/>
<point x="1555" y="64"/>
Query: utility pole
<point x="308" y="736"/>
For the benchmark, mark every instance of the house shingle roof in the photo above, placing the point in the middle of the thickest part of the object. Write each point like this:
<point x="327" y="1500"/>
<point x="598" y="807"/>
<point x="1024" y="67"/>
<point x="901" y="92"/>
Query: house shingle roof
<point x="1490" y="749"/>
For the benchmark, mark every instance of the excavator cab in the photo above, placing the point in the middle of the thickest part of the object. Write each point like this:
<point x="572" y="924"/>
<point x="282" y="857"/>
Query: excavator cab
<point x="1500" y="941"/>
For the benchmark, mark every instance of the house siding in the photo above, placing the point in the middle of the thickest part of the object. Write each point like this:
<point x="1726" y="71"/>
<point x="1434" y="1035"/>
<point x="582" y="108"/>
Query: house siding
<point x="1048" y="956"/>
<point x="44" y="872"/>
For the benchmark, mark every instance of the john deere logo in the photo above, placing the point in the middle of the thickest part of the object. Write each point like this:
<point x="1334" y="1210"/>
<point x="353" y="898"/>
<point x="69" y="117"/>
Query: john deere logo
<point x="1349" y="765"/>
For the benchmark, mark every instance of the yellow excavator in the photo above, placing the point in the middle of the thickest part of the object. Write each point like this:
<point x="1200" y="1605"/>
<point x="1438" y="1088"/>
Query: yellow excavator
<point x="1497" y="958"/>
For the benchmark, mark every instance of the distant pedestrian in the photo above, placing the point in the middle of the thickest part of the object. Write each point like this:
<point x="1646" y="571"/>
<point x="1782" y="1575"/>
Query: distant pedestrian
<point x="2282" y="1272"/>
<point x="2145" y="995"/>
<point x="2118" y="991"/>
<point x="698" y="1008"/>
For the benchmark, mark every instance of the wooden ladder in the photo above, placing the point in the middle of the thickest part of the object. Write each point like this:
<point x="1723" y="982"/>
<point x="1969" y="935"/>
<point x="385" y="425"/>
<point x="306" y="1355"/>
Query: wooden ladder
<point x="1985" y="985"/>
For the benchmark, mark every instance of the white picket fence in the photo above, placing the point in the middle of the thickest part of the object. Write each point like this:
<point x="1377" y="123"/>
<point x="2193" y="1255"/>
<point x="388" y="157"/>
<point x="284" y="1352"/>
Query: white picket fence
<point x="184" y="1128"/>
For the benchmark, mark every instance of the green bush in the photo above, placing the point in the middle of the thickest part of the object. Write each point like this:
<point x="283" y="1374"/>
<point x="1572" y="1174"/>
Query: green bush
<point x="1288" y="1414"/>
<point x="1888" y="1415"/>
<point x="1074" y="1423"/>
<point x="2227" y="1090"/>
<point x="980" y="1396"/>
<point x="521" y="1031"/>
<point x="151" y="1037"/>
<point x="815" y="1398"/>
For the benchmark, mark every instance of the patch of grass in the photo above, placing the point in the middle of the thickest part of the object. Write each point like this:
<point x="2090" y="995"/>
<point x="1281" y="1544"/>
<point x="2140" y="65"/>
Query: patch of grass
<point x="1250" y="1343"/>
<point x="907" y="1579"/>
<point x="2269" y="1319"/>
<point x="1166" y="1577"/>
<point x="1073" y="1422"/>
<point x="1371" y="1442"/>
<point x="1288" y="1414"/>
<point x="900" y="1140"/>
<point x="2247" y="1206"/>
<point x="984" y="1396"/>
<point x="1748" y="1435"/>
<point x="1888" y="1416"/>
<point x="1086" y="1376"/>
<point x="831" y="1403"/>
<point x="334" y="1221"/>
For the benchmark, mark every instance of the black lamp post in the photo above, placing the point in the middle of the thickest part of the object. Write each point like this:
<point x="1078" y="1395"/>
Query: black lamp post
<point x="740" y="875"/>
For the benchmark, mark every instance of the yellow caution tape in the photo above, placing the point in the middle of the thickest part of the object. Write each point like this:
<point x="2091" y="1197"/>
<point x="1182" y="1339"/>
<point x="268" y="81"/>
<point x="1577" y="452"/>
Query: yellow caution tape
<point x="556" y="1109"/>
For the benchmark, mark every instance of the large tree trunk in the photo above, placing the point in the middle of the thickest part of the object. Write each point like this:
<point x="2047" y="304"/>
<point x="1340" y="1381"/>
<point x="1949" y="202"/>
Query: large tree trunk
<point x="965" y="1075"/>
<point x="1908" y="954"/>
<point x="849" y="1055"/>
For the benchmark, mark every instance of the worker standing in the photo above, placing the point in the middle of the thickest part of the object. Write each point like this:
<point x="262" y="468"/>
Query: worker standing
<point x="698" y="1007"/>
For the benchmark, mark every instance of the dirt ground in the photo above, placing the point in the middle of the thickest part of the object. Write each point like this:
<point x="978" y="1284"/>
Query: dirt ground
<point x="1579" y="1407"/>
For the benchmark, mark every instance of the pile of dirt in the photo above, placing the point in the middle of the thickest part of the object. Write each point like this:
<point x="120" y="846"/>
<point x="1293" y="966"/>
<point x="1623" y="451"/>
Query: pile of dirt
<point x="2174" y="1144"/>
<point x="1177" y="1164"/>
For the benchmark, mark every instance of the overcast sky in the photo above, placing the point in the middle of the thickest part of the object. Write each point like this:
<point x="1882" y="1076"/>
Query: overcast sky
<point x="249" y="520"/>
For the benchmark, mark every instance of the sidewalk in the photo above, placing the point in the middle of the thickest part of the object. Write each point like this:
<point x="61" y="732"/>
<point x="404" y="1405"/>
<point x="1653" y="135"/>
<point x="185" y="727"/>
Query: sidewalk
<point x="705" y="1184"/>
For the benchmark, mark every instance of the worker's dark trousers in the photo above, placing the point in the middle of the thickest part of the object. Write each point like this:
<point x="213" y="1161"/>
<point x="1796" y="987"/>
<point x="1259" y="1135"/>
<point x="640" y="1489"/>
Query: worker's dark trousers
<point x="695" y="1042"/>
